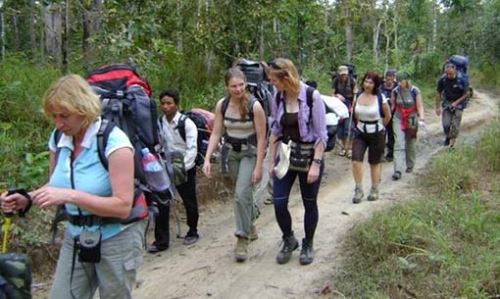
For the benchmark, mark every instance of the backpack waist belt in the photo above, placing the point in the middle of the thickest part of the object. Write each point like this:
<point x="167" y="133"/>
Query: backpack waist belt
<point x="252" y="139"/>
<point x="371" y="122"/>
<point x="90" y="220"/>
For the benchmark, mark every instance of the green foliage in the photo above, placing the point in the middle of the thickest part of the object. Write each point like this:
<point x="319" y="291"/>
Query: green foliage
<point x="489" y="148"/>
<point x="23" y="127"/>
<point x="443" y="245"/>
<point x="452" y="173"/>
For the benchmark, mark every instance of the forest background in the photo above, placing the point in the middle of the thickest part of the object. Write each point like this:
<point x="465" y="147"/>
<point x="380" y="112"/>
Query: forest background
<point x="188" y="45"/>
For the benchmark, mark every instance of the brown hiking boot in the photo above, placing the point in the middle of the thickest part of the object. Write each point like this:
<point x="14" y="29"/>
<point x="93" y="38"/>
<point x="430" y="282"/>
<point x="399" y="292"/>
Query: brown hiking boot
<point x="373" y="194"/>
<point x="253" y="233"/>
<point x="241" y="250"/>
<point x="358" y="195"/>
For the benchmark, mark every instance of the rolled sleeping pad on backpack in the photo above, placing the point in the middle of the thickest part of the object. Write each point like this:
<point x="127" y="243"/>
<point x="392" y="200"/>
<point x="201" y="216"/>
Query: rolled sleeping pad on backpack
<point x="336" y="106"/>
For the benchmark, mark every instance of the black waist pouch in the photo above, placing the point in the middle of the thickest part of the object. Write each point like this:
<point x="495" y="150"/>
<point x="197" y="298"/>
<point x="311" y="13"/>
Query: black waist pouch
<point x="301" y="155"/>
<point x="88" y="245"/>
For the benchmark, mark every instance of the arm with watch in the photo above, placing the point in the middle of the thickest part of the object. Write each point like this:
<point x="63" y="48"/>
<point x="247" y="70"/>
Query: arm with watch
<point x="314" y="169"/>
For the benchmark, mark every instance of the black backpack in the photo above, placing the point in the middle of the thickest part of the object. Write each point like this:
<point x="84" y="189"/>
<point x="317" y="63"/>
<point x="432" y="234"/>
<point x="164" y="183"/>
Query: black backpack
<point x="257" y="83"/>
<point x="201" y="120"/>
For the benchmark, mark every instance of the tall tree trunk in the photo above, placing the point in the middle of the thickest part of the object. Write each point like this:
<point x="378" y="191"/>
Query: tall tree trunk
<point x="395" y="25"/>
<point x="64" y="42"/>
<point x="277" y="33"/>
<point x="15" y="28"/>
<point x="208" y="50"/>
<point x="376" y="34"/>
<point x="301" y="24"/>
<point x="179" y="45"/>
<point x="86" y="28"/>
<point x="434" y="26"/>
<point x="261" y="40"/>
<point x="42" y="32"/>
<point x="91" y="23"/>
<point x="53" y="31"/>
<point x="2" y="32"/>
<point x="348" y="32"/>
<point x="32" y="28"/>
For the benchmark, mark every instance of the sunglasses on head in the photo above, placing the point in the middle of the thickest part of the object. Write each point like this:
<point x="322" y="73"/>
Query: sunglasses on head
<point x="274" y="66"/>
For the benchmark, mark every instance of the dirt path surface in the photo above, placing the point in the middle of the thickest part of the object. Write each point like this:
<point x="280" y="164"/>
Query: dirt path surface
<point x="207" y="268"/>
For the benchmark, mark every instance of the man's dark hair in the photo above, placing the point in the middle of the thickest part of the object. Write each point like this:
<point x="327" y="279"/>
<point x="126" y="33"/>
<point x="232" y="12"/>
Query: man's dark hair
<point x="173" y="93"/>
<point x="312" y="83"/>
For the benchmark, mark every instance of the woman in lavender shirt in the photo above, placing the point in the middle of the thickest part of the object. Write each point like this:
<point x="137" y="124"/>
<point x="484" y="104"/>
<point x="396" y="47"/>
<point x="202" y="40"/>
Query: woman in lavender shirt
<point x="304" y="125"/>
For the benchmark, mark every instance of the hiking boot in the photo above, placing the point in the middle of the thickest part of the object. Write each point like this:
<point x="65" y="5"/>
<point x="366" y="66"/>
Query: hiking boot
<point x="307" y="252"/>
<point x="373" y="194"/>
<point x="358" y="195"/>
<point x="190" y="239"/>
<point x="155" y="248"/>
<point x="409" y="170"/>
<point x="446" y="141"/>
<point x="396" y="175"/>
<point x="253" y="233"/>
<point x="289" y="245"/>
<point x="241" y="250"/>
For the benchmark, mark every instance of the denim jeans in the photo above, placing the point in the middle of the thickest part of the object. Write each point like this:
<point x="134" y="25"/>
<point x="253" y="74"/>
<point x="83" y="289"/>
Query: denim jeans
<point x="309" y="192"/>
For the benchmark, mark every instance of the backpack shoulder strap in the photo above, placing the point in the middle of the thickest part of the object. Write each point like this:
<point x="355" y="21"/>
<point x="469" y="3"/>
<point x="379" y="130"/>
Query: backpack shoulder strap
<point x="181" y="126"/>
<point x="57" y="137"/>
<point x="414" y="94"/>
<point x="225" y="105"/>
<point x="102" y="140"/>
<point x="251" y="102"/>
<point x="380" y="105"/>
<point x="309" y="96"/>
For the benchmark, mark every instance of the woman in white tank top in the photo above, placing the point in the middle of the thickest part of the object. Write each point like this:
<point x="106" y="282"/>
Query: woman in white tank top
<point x="372" y="113"/>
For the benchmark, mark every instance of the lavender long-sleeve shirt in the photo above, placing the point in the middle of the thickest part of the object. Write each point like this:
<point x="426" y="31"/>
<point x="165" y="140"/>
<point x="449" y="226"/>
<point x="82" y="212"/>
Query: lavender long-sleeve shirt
<point x="311" y="129"/>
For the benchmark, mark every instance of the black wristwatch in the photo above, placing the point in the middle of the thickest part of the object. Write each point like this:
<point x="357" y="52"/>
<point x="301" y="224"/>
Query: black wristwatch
<point x="317" y="161"/>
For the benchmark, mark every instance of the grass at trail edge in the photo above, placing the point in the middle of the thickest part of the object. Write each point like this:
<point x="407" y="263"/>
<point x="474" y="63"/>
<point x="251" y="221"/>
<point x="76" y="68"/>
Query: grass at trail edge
<point x="443" y="245"/>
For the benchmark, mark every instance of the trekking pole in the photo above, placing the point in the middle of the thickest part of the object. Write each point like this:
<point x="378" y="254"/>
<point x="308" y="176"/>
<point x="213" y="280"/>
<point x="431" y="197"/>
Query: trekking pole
<point x="351" y="115"/>
<point x="8" y="220"/>
<point x="173" y="210"/>
<point x="5" y="229"/>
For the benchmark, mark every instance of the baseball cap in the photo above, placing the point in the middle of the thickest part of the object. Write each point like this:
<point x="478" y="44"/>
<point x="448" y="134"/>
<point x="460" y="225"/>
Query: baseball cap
<point x="343" y="70"/>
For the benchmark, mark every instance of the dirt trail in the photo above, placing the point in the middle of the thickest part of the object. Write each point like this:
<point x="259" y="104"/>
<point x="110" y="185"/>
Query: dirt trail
<point x="207" y="268"/>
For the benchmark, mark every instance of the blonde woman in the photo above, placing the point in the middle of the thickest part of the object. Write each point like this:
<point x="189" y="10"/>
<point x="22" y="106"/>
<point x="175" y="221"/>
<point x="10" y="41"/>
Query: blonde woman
<point x="90" y="194"/>
<point x="409" y="111"/>
<point x="240" y="119"/>
<point x="303" y="125"/>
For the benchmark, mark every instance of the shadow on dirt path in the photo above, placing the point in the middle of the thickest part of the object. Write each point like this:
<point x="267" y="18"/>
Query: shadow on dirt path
<point x="207" y="268"/>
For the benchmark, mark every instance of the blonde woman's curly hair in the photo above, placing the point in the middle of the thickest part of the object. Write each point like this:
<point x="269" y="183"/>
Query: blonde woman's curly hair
<point x="73" y="93"/>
